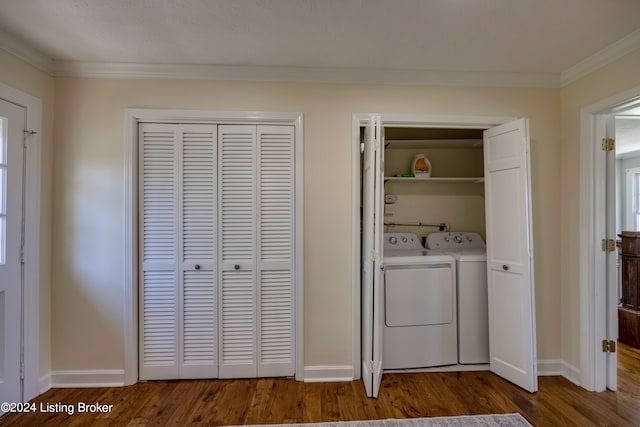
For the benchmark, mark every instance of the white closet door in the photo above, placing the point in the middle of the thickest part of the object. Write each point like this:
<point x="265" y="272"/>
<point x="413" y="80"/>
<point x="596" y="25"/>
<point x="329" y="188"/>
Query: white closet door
<point x="512" y="337"/>
<point x="199" y="298"/>
<point x="159" y="317"/>
<point x="275" y="251"/>
<point x="178" y="298"/>
<point x="373" y="213"/>
<point x="237" y="241"/>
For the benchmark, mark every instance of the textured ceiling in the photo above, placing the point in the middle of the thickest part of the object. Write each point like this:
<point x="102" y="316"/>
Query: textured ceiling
<point x="445" y="35"/>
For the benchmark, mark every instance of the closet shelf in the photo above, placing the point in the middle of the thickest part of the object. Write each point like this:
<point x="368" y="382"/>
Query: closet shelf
<point x="473" y="180"/>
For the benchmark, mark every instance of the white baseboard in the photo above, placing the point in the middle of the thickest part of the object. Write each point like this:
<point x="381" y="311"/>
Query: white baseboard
<point x="45" y="383"/>
<point x="89" y="378"/>
<point x="551" y="367"/>
<point x="326" y="374"/>
<point x="571" y="373"/>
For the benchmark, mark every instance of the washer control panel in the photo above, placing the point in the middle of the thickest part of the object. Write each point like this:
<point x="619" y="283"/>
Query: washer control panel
<point x="401" y="241"/>
<point x="457" y="240"/>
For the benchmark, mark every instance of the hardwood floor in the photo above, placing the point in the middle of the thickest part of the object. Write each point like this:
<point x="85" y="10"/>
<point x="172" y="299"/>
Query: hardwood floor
<point x="222" y="402"/>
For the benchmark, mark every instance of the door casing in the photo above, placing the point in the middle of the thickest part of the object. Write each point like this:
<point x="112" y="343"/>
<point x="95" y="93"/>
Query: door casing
<point x="593" y="284"/>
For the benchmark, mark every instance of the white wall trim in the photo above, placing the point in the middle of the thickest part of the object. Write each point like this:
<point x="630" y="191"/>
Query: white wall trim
<point x="26" y="52"/>
<point x="306" y="74"/>
<point x="593" y="308"/>
<point x="606" y="56"/>
<point x="45" y="383"/>
<point x="134" y="116"/>
<point x="88" y="378"/>
<point x="55" y="68"/>
<point x="326" y="374"/>
<point x="558" y="367"/>
<point x="31" y="309"/>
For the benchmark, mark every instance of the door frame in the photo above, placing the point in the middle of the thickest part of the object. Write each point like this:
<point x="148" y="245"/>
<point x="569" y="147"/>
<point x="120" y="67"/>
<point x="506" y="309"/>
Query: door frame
<point x="593" y="295"/>
<point x="33" y="385"/>
<point x="397" y="120"/>
<point x="133" y="116"/>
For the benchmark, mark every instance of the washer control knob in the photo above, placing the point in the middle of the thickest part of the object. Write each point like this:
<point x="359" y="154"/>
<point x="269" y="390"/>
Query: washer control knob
<point x="404" y="239"/>
<point x="393" y="240"/>
<point x="457" y="239"/>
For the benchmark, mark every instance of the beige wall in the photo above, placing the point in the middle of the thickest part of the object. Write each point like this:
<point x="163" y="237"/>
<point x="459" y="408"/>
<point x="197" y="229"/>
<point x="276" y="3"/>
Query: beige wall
<point x="608" y="81"/>
<point x="88" y="226"/>
<point x="459" y="205"/>
<point x="88" y="202"/>
<point x="26" y="78"/>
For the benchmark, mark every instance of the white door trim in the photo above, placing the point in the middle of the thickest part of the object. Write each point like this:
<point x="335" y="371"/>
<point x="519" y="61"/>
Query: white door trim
<point x="593" y="309"/>
<point x="31" y="309"/>
<point x="134" y="116"/>
<point x="396" y="120"/>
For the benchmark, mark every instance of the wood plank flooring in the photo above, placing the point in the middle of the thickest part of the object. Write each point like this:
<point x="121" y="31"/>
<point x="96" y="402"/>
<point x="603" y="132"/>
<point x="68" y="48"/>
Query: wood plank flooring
<point x="267" y="401"/>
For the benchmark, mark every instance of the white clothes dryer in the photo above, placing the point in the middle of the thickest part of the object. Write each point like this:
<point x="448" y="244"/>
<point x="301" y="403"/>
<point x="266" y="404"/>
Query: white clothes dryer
<point x="419" y="305"/>
<point x="470" y="253"/>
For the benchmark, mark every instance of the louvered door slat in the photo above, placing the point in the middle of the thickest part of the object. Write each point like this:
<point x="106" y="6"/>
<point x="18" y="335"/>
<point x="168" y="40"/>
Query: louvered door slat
<point x="237" y="234"/>
<point x="275" y="238"/>
<point x="159" y="325"/>
<point x="199" y="278"/>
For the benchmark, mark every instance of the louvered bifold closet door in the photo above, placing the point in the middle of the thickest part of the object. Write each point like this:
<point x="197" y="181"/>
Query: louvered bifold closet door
<point x="237" y="253"/>
<point x="199" y="294"/>
<point x="159" y="252"/>
<point x="178" y="298"/>
<point x="275" y="251"/>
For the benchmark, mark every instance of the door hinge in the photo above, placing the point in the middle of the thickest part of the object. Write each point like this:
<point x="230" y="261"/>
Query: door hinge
<point x="21" y="254"/>
<point x="608" y="245"/>
<point x="608" y="346"/>
<point x="21" y="371"/>
<point x="608" y="144"/>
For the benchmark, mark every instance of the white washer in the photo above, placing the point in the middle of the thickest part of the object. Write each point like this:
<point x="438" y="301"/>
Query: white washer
<point x="419" y="305"/>
<point x="470" y="254"/>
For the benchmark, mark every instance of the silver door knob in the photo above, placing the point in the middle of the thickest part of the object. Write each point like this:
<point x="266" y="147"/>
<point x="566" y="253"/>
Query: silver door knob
<point x="236" y="267"/>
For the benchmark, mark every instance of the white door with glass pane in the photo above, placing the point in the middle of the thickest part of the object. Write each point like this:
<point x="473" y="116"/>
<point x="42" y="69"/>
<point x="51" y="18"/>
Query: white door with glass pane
<point x="11" y="192"/>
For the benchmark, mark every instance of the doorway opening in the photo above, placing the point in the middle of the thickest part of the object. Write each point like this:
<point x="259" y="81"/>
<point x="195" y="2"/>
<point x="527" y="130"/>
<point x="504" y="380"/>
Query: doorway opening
<point x="450" y="200"/>
<point x="602" y="220"/>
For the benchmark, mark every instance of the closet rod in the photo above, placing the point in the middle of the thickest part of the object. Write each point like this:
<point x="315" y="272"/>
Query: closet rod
<point x="442" y="226"/>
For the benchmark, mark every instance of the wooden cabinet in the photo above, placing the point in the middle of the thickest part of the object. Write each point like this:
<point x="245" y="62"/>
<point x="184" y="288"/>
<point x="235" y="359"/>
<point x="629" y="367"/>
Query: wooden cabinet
<point x="629" y="310"/>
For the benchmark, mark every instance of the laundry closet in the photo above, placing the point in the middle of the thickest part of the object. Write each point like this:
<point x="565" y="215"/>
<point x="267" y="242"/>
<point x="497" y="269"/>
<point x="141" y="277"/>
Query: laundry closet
<point x="474" y="185"/>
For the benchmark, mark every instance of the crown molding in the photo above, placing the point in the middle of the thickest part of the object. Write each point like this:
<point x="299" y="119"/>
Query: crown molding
<point x="304" y="74"/>
<point x="26" y="52"/>
<point x="43" y="62"/>
<point x="598" y="60"/>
